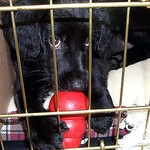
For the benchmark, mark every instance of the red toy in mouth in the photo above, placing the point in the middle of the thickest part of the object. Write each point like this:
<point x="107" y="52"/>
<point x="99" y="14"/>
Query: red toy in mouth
<point x="71" y="101"/>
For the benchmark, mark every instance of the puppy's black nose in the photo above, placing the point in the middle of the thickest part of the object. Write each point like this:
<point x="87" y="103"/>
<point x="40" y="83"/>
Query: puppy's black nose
<point x="78" y="85"/>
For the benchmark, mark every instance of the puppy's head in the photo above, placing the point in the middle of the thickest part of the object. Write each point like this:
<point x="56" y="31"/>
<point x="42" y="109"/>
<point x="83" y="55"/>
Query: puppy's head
<point x="71" y="26"/>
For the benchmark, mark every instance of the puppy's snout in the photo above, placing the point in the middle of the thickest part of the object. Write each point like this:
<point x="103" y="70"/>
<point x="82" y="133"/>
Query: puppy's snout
<point x="73" y="81"/>
<point x="78" y="85"/>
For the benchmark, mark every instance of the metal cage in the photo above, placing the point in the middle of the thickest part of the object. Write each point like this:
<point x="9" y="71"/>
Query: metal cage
<point x="120" y="109"/>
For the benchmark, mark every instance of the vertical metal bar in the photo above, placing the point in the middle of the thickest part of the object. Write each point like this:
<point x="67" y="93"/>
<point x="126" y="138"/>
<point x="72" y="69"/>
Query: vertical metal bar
<point x="90" y="70"/>
<point x="20" y="68"/>
<point x="123" y="68"/>
<point x="102" y="145"/>
<point x="54" y="58"/>
<point x="1" y="141"/>
<point x="146" y="125"/>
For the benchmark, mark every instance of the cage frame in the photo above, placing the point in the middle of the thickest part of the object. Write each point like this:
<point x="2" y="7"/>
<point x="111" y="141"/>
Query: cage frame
<point x="90" y="6"/>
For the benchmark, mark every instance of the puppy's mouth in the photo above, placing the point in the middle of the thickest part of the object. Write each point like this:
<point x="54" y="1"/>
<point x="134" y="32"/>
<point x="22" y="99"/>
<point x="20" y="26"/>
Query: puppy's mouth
<point x="77" y="85"/>
<point x="48" y="99"/>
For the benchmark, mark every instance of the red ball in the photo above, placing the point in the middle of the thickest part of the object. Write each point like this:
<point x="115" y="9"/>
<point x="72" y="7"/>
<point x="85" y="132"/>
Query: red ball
<point x="76" y="128"/>
<point x="71" y="142"/>
<point x="69" y="101"/>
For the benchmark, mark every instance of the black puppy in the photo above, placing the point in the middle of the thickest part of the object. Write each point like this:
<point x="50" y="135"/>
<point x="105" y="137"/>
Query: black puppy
<point x="71" y="44"/>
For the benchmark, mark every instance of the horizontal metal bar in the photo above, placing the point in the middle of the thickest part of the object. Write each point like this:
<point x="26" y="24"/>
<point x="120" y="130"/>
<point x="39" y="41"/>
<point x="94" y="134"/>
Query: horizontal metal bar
<point x="94" y="111"/>
<point x="94" y="148"/>
<point x="106" y="147"/>
<point x="75" y="5"/>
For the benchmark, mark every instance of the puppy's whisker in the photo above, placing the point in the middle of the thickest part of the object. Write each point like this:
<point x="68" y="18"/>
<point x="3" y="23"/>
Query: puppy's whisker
<point x="35" y="72"/>
<point x="42" y="80"/>
<point x="43" y="87"/>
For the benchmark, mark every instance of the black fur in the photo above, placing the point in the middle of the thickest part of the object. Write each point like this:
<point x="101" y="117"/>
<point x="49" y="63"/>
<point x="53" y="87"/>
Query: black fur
<point x="71" y="35"/>
<point x="139" y="34"/>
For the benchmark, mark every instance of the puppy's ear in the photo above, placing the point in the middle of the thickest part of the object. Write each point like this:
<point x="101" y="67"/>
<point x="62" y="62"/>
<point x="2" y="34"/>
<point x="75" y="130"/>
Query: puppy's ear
<point x="28" y="29"/>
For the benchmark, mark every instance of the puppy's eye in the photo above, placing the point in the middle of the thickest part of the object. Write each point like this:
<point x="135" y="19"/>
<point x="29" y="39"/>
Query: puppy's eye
<point x="57" y="42"/>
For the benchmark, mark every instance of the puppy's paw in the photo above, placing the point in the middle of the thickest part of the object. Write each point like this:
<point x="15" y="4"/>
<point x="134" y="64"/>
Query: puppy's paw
<point x="116" y="61"/>
<point x="40" y="143"/>
<point x="101" y="123"/>
<point x="47" y="134"/>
